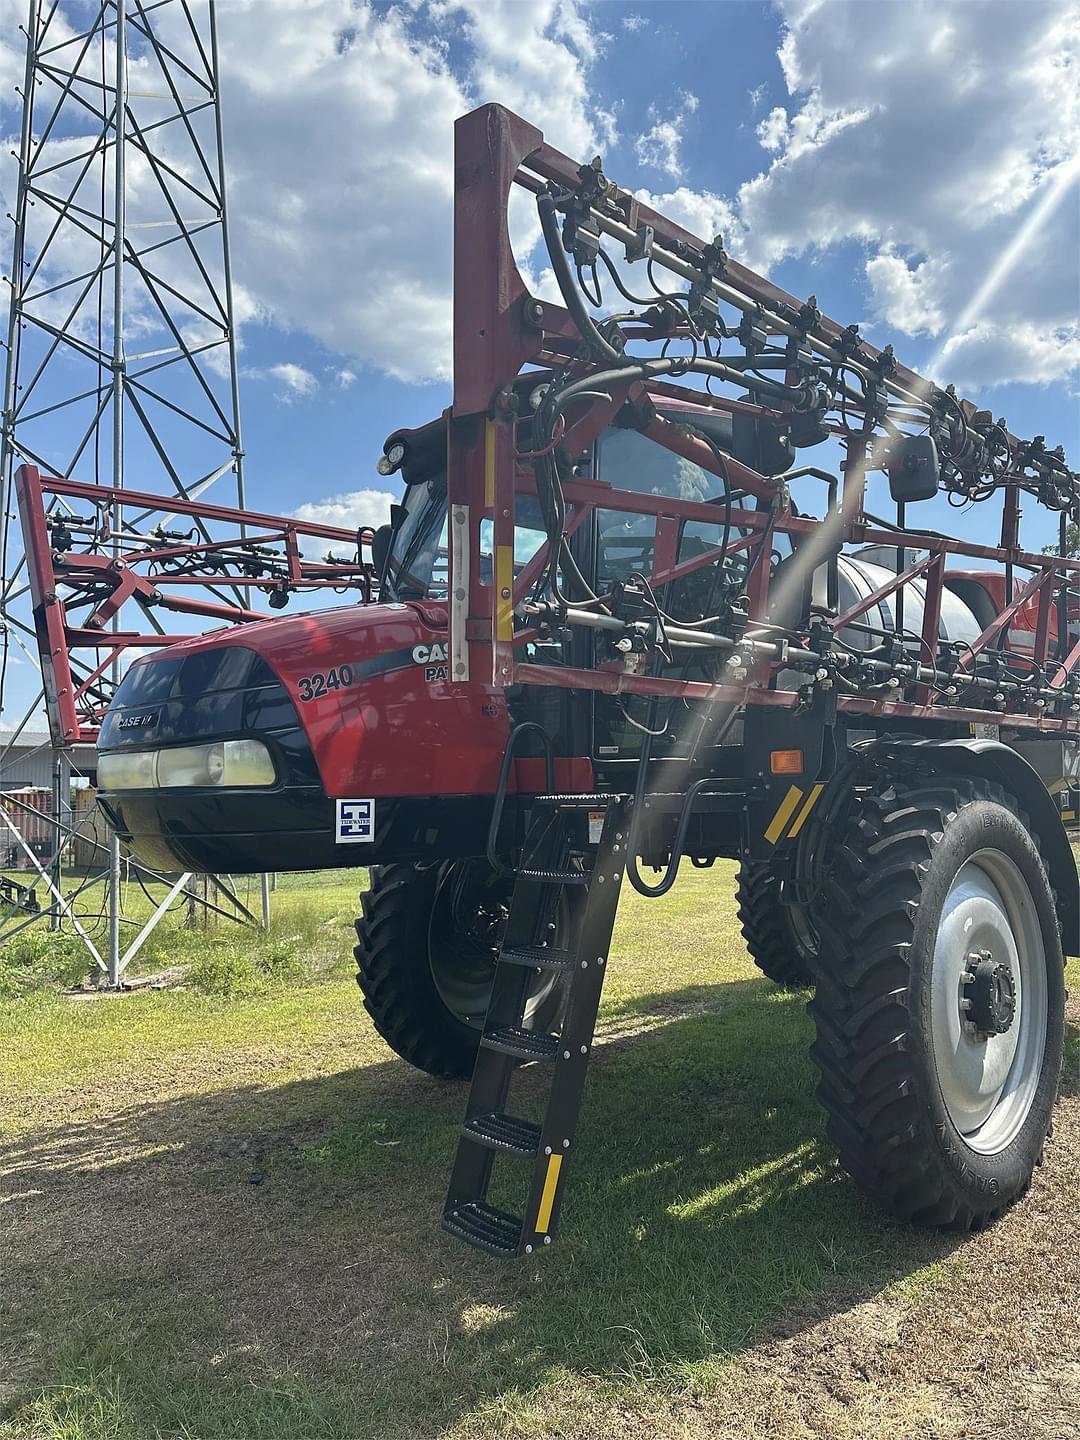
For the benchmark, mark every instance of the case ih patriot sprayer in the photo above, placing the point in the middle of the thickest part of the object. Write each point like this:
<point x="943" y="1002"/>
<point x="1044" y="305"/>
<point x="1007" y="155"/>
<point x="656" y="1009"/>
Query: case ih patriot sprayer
<point x="619" y="625"/>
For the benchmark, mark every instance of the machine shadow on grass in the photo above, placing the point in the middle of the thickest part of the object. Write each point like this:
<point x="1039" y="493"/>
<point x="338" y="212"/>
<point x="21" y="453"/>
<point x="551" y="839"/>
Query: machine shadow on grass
<point x="293" y="1230"/>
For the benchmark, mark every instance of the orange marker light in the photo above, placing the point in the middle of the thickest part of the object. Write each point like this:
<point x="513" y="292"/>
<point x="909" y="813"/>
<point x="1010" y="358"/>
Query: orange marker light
<point x="786" y="762"/>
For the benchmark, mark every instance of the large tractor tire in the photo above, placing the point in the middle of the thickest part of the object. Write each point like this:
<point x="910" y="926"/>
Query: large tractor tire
<point x="940" y="1001"/>
<point x="782" y="940"/>
<point x="428" y="944"/>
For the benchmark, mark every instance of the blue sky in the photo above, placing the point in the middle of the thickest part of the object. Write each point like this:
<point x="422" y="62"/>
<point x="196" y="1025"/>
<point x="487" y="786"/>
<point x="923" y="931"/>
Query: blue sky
<point x="914" y="165"/>
<point x="654" y="62"/>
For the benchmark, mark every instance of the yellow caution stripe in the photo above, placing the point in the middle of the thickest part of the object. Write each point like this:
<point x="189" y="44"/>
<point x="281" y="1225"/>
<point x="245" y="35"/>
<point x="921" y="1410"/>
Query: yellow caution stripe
<point x="547" y="1198"/>
<point x="808" y="804"/>
<point x="795" y="803"/>
<point x="784" y="812"/>
<point x="504" y="598"/>
<point x="489" y="463"/>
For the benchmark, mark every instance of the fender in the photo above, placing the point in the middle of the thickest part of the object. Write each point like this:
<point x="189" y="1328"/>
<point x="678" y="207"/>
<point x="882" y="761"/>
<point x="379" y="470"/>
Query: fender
<point x="993" y="760"/>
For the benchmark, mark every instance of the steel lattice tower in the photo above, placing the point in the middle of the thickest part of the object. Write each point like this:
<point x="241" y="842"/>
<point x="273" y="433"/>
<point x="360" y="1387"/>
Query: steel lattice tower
<point x="121" y="348"/>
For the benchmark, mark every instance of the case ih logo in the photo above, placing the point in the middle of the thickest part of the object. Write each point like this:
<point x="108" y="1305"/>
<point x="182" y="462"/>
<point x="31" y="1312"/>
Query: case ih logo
<point x="130" y="722"/>
<point x="433" y="659"/>
<point x="355" y="821"/>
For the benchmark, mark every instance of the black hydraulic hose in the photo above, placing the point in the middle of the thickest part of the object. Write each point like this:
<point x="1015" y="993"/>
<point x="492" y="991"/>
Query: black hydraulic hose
<point x="678" y="842"/>
<point x="653" y="892"/>
<point x="564" y="277"/>
<point x="772" y="388"/>
<point x="572" y="296"/>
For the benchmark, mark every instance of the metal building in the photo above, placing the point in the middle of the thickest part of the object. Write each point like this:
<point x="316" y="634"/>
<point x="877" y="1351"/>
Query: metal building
<point x="28" y="761"/>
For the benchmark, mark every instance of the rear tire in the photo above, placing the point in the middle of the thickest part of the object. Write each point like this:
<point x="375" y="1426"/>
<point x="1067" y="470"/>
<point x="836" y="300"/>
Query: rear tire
<point x="939" y="1069"/>
<point x="428" y="944"/>
<point x="782" y="941"/>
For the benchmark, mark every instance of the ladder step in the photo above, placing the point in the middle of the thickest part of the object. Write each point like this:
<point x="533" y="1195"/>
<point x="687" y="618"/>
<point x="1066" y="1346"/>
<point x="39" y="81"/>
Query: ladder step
<point x="555" y="877"/>
<point x="504" y="1132"/>
<point x="523" y="1044"/>
<point x="485" y="1227"/>
<point x="542" y="957"/>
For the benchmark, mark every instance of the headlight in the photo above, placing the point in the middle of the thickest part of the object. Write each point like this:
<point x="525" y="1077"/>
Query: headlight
<point x="128" y="770"/>
<point x="247" y="762"/>
<point x="190" y="765"/>
<point x="224" y="762"/>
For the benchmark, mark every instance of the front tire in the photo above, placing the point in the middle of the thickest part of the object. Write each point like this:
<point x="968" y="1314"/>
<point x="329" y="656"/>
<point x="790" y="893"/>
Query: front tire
<point x="428" y="945"/>
<point x="940" y="1001"/>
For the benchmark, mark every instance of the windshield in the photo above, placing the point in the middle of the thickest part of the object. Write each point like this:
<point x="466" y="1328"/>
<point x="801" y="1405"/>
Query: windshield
<point x="417" y="567"/>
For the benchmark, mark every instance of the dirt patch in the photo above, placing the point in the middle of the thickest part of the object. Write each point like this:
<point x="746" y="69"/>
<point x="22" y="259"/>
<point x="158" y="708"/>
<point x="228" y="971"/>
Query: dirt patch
<point x="988" y="1353"/>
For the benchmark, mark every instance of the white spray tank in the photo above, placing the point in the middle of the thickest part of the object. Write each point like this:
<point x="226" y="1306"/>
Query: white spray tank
<point x="867" y="570"/>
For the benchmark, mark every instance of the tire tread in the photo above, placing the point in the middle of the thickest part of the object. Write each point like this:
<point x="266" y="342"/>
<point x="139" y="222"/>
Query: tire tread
<point x="861" y="1008"/>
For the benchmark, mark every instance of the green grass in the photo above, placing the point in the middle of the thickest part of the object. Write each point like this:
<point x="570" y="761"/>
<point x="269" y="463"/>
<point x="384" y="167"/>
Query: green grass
<point x="231" y="957"/>
<point x="223" y="1223"/>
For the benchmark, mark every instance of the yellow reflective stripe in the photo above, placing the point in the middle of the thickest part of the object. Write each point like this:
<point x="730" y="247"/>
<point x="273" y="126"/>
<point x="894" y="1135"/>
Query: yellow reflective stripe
<point x="504" y="599"/>
<point x="489" y="463"/>
<point x="783" y="814"/>
<point x="809" y="803"/>
<point x="547" y="1199"/>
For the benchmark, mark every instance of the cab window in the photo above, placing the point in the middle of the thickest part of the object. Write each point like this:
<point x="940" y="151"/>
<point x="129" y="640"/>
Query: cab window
<point x="417" y="567"/>
<point x="629" y="460"/>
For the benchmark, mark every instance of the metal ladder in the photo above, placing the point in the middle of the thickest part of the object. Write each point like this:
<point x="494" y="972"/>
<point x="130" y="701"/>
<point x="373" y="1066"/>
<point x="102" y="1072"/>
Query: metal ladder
<point x="557" y="834"/>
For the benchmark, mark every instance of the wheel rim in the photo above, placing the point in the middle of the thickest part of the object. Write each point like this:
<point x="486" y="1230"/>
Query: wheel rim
<point x="804" y="933"/>
<point x="465" y="930"/>
<point x="989" y="1001"/>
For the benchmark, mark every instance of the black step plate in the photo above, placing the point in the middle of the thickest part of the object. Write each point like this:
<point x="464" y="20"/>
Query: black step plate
<point x="495" y="1231"/>
<point x="504" y="1132"/>
<point x="523" y="1044"/>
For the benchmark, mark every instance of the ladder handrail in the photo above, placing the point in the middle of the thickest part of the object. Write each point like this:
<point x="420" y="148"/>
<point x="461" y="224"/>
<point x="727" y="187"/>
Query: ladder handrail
<point x="504" y="779"/>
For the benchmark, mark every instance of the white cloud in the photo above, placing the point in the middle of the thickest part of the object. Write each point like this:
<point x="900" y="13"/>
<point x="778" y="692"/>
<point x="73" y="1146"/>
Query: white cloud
<point x="339" y="119"/>
<point x="660" y="145"/>
<point x="345" y="377"/>
<point x="989" y="354"/>
<point x="933" y="151"/>
<point x="908" y="296"/>
<point x="295" y="378"/>
<point x="633" y="23"/>
<point x="757" y="95"/>
<point x="773" y="131"/>
<point x="351" y="510"/>
<point x="699" y="211"/>
<point x="12" y="48"/>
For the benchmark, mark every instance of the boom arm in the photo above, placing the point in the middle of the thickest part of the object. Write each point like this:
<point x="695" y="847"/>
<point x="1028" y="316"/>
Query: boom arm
<point x="536" y="383"/>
